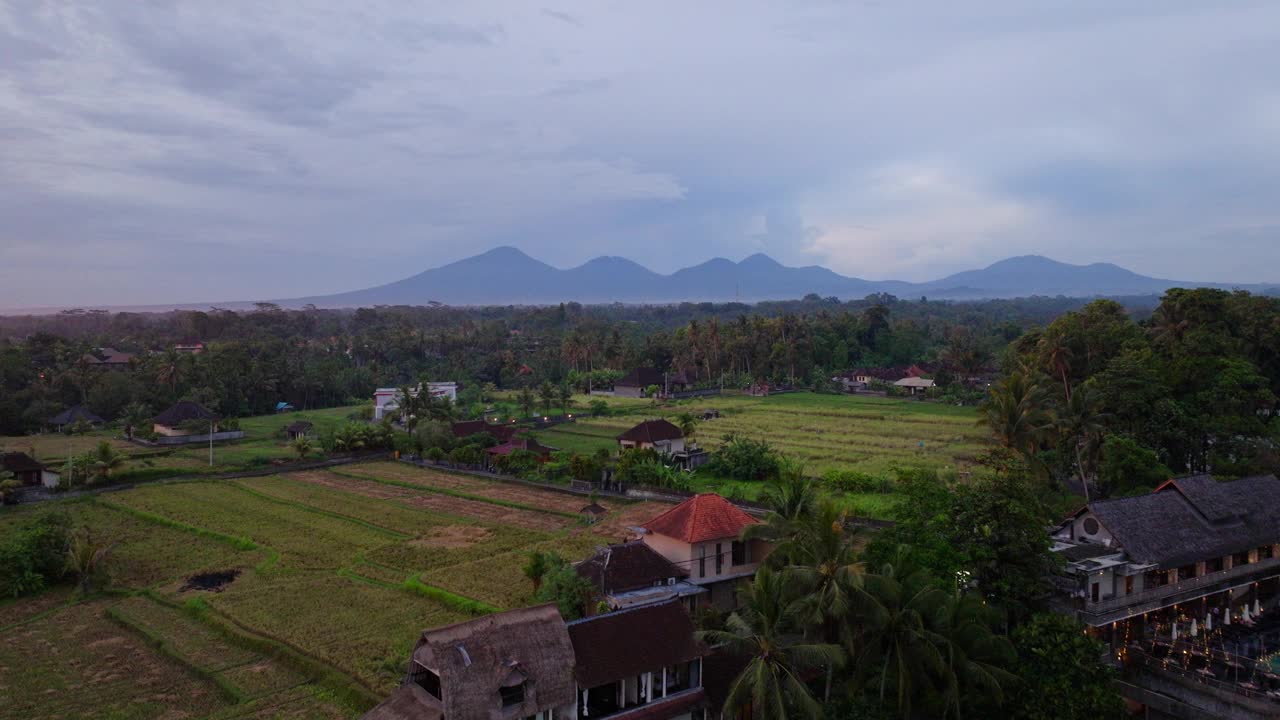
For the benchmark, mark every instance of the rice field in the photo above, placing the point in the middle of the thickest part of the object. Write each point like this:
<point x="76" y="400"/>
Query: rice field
<point x="323" y="559"/>
<point x="845" y="432"/>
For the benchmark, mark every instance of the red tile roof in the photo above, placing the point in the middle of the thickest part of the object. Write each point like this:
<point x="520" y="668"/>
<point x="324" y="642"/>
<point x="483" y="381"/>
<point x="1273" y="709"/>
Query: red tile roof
<point x="701" y="518"/>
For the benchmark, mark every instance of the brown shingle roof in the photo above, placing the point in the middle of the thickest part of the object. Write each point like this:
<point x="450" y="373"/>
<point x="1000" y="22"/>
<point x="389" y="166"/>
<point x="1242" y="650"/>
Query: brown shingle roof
<point x="630" y="642"/>
<point x="475" y="658"/>
<point x="1194" y="518"/>
<point x="627" y="566"/>
<point x="16" y="462"/>
<point x="652" y="431"/>
<point x="701" y="518"/>
<point x="405" y="703"/>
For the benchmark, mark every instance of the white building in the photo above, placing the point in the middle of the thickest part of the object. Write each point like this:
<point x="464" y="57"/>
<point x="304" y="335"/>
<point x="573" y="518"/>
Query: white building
<point x="387" y="400"/>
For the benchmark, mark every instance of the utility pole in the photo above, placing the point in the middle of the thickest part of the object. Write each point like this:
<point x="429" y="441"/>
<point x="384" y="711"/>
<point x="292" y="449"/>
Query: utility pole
<point x="211" y="426"/>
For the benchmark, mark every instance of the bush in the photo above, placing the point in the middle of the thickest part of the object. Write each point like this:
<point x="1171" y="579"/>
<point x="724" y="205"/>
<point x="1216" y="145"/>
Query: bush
<point x="852" y="481"/>
<point x="34" y="556"/>
<point x="745" y="459"/>
<point x="467" y="455"/>
<point x="1127" y="466"/>
<point x="434" y="454"/>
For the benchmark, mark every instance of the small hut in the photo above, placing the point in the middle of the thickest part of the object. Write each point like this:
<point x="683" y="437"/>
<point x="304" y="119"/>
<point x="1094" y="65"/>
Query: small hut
<point x="299" y="429"/>
<point x="593" y="513"/>
<point x="73" y="415"/>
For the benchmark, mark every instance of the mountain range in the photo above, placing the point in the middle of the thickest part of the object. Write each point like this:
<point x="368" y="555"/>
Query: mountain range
<point x="505" y="275"/>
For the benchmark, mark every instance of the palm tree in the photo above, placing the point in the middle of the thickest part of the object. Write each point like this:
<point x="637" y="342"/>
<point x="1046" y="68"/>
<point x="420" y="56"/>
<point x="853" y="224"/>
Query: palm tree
<point x="565" y="394"/>
<point x="86" y="559"/>
<point x="171" y="369"/>
<point x="106" y="459"/>
<point x="687" y="423"/>
<point x="526" y="400"/>
<point x="976" y="657"/>
<point x="547" y="392"/>
<point x="1058" y="356"/>
<point x="766" y="630"/>
<point x="135" y="415"/>
<point x="1081" y="423"/>
<point x="791" y="499"/>
<point x="302" y="446"/>
<point x="1016" y="412"/>
<point x="825" y="565"/>
<point x="899" y="636"/>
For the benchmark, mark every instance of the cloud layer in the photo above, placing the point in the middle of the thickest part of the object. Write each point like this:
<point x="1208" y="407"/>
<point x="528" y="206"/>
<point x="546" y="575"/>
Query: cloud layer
<point x="185" y="151"/>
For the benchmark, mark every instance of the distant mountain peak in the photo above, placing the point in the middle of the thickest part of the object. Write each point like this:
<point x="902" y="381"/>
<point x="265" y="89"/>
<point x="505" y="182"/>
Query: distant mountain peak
<point x="760" y="260"/>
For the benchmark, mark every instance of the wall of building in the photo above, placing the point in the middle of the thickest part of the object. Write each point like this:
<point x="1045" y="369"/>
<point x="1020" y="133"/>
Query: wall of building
<point x="1078" y="530"/>
<point x="628" y="391"/>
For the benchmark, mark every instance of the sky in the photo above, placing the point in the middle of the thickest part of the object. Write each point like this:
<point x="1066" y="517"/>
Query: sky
<point x="163" y="151"/>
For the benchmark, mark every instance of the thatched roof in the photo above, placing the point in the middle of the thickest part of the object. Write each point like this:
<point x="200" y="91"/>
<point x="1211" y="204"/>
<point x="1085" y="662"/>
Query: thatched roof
<point x="474" y="659"/>
<point x="628" y="643"/>
<point x="1193" y="518"/>
<point x="406" y="703"/>
<point x="628" y="566"/>
<point x="183" y="411"/>
<point x="73" y="414"/>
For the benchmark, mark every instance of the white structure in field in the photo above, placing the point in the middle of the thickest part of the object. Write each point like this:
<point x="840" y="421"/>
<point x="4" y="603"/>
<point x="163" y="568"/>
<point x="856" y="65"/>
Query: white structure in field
<point x="387" y="400"/>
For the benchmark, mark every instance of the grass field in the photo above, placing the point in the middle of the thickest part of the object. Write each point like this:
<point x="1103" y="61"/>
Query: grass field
<point x="850" y="432"/>
<point x="324" y="561"/>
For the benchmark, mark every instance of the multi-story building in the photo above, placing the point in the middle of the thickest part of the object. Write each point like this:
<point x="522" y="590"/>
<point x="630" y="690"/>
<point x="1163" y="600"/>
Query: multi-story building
<point x="703" y="535"/>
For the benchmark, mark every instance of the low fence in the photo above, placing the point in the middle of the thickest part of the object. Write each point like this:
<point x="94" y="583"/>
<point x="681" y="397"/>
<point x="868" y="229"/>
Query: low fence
<point x="171" y="440"/>
<point x="685" y="394"/>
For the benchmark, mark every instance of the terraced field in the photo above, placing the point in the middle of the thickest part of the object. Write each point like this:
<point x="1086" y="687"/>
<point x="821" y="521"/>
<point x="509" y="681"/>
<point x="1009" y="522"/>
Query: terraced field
<point x="329" y="578"/>
<point x="868" y="434"/>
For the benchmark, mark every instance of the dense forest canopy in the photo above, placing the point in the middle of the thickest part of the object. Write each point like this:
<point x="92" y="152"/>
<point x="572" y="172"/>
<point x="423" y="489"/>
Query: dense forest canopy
<point x="1193" y="378"/>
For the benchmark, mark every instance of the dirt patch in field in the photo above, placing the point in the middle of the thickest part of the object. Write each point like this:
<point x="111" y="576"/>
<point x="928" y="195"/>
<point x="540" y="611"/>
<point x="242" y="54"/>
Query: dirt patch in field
<point x="615" y="527"/>
<point x="527" y="519"/>
<point x="452" y="536"/>
<point x="210" y="581"/>
<point x="355" y="486"/>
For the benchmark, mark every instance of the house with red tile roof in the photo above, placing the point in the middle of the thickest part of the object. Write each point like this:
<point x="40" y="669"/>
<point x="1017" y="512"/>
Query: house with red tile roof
<point x="703" y="535"/>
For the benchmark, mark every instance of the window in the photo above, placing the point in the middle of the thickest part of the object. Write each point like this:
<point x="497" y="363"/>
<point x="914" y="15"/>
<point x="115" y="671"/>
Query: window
<point x="702" y="561"/>
<point x="1128" y="585"/>
<point x="513" y="695"/>
<point x="1240" y="558"/>
<point x="719" y="559"/>
<point x="1266" y="552"/>
<point x="425" y="679"/>
<point x="1090" y="526"/>
<point x="740" y="553"/>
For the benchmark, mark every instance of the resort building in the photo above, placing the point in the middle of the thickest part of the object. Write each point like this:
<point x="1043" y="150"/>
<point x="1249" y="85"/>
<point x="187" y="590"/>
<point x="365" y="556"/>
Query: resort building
<point x="1183" y="584"/>
<point x="633" y="573"/>
<point x="386" y="401"/>
<point x="665" y="438"/>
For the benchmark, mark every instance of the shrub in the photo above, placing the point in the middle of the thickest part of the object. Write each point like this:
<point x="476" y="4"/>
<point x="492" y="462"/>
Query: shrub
<point x="745" y="459"/>
<point x="33" y="557"/>
<point x="434" y="454"/>
<point x="467" y="455"/>
<point x="1127" y="466"/>
<point x="853" y="481"/>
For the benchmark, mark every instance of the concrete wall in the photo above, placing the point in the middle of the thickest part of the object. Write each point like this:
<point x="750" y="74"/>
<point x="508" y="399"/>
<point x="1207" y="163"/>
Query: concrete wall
<point x="193" y="439"/>
<point x="628" y="391"/>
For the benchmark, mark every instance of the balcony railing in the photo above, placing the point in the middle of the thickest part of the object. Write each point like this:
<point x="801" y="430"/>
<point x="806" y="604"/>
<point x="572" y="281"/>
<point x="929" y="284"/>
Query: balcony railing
<point x="1193" y="586"/>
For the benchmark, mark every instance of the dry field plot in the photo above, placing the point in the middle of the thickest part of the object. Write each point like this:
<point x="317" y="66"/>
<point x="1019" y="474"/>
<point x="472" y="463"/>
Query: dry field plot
<point x="490" y="513"/>
<point x="493" y="490"/>
<point x="78" y="664"/>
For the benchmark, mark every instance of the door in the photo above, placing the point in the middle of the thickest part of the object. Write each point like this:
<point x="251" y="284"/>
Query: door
<point x="1093" y="591"/>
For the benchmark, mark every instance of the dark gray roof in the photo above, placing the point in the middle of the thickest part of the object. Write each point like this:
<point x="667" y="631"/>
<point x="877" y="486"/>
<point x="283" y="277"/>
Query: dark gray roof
<point x="626" y="643"/>
<point x="628" y="566"/>
<point x="1084" y="551"/>
<point x="1194" y="518"/>
<point x="72" y="414"/>
<point x="181" y="412"/>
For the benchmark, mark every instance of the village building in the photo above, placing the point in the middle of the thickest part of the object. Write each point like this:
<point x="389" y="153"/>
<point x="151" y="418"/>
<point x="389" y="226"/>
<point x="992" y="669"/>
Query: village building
<point x="190" y="347"/>
<point x="27" y="470"/>
<point x="633" y="573"/>
<point x="1183" y="585"/>
<point x="664" y="438"/>
<point x="915" y="385"/>
<point x="467" y="428"/>
<point x="703" y="536"/>
<point x="593" y="513"/>
<point x="386" y="401"/>
<point x="643" y="662"/>
<point x="300" y="429"/>
<point x="188" y="422"/>
<point x="640" y="663"/>
<point x="72" y="415"/>
<point x="516" y="664"/>
<point x="636" y="382"/>
<point x="519" y="443"/>
<point x="108" y="358"/>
